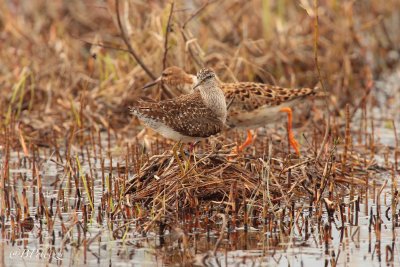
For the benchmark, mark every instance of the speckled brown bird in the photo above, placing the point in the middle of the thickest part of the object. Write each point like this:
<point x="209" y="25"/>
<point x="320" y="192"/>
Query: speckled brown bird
<point x="190" y="117"/>
<point x="253" y="104"/>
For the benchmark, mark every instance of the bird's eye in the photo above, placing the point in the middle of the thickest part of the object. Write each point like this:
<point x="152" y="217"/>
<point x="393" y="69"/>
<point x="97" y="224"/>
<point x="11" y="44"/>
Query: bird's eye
<point x="209" y="76"/>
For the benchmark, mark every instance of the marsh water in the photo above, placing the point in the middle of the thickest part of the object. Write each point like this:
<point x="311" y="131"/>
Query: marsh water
<point x="349" y="246"/>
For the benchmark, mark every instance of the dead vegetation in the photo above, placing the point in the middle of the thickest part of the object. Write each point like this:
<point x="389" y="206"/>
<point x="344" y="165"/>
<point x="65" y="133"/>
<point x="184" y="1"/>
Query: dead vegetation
<point x="70" y="69"/>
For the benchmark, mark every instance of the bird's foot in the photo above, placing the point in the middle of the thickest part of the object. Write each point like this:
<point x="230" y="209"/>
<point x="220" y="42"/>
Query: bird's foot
<point x="239" y="149"/>
<point x="293" y="142"/>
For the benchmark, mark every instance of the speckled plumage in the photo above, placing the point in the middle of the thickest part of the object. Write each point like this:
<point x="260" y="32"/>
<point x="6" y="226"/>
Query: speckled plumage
<point x="253" y="104"/>
<point x="189" y="117"/>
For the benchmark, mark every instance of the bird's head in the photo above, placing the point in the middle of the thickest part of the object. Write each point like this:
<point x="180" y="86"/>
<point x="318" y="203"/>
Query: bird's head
<point x="205" y="77"/>
<point x="173" y="77"/>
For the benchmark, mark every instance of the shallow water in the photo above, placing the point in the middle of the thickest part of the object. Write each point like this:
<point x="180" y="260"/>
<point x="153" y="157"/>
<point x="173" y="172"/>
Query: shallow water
<point x="355" y="248"/>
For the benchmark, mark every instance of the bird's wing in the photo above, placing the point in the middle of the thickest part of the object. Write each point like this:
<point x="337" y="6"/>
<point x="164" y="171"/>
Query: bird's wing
<point x="185" y="114"/>
<point x="250" y="96"/>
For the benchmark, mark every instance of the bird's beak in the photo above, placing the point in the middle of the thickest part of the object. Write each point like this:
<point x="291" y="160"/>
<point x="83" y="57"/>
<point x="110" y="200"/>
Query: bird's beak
<point x="197" y="84"/>
<point x="150" y="84"/>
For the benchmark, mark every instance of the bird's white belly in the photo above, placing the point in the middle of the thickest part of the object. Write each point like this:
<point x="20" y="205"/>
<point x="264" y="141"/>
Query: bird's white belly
<point x="166" y="131"/>
<point x="174" y="135"/>
<point x="256" y="118"/>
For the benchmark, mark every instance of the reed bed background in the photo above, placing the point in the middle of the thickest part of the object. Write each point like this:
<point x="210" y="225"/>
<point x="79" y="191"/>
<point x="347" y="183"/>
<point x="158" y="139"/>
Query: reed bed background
<point x="70" y="69"/>
<point x="50" y="73"/>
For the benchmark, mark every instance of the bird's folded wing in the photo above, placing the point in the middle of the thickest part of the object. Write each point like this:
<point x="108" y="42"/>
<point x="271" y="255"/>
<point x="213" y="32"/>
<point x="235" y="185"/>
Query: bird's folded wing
<point x="186" y="114"/>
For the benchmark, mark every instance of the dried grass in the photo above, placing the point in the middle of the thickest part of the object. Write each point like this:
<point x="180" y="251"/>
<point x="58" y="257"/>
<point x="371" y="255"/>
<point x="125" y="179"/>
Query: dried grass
<point x="67" y="80"/>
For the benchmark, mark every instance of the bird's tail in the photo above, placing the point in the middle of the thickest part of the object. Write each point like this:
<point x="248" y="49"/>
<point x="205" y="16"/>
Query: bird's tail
<point x="317" y="91"/>
<point x="305" y="91"/>
<point x="298" y="94"/>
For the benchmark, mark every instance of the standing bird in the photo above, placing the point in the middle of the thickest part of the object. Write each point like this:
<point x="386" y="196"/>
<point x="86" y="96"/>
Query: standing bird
<point x="190" y="117"/>
<point x="253" y="104"/>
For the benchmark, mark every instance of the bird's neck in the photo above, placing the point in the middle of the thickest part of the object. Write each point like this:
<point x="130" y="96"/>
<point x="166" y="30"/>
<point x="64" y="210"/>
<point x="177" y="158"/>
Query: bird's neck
<point x="214" y="98"/>
<point x="186" y="85"/>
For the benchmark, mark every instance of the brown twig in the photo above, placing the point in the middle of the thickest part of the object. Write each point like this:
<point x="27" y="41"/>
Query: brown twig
<point x="133" y="53"/>
<point x="328" y="119"/>
<point x="102" y="45"/>
<point x="127" y="43"/>
<point x="167" y="30"/>
<point x="221" y="233"/>
<point x="191" y="52"/>
<point x="347" y="137"/>
<point x="184" y="34"/>
<point x="396" y="149"/>
<point x="197" y="12"/>
<point x="369" y="87"/>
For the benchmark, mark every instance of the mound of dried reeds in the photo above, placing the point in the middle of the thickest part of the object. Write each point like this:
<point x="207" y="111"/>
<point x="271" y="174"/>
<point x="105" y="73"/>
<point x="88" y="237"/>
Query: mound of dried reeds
<point x="173" y="180"/>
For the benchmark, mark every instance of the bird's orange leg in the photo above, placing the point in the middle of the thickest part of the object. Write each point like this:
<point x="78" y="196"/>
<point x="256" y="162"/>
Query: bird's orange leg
<point x="292" y="140"/>
<point x="247" y="142"/>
